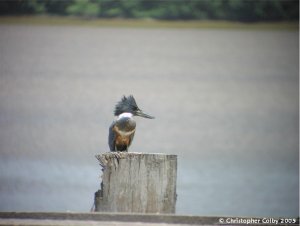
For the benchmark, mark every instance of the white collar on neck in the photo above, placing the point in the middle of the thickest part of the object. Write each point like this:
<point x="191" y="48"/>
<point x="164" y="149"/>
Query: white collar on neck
<point x="125" y="115"/>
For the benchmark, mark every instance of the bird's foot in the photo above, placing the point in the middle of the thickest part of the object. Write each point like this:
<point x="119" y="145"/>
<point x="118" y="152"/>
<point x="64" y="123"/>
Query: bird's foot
<point x="117" y="155"/>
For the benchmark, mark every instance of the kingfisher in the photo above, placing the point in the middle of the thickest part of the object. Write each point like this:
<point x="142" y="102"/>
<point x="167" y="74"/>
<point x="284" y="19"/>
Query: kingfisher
<point x="121" y="131"/>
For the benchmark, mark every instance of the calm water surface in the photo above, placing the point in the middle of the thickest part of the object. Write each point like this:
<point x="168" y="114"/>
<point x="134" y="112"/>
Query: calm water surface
<point x="225" y="101"/>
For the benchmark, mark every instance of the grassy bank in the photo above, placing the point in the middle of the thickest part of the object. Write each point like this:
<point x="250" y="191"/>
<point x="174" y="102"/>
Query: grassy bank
<point x="70" y="21"/>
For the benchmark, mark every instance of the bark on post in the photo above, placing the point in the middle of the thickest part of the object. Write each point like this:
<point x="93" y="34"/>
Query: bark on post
<point x="137" y="182"/>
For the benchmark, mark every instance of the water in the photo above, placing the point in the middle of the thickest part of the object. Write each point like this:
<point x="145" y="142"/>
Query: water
<point x="225" y="101"/>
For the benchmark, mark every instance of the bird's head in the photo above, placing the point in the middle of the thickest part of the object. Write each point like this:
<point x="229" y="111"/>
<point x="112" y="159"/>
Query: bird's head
<point x="128" y="105"/>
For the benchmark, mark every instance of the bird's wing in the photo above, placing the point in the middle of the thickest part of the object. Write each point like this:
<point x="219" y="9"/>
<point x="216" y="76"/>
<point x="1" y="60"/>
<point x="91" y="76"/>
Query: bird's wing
<point x="112" y="138"/>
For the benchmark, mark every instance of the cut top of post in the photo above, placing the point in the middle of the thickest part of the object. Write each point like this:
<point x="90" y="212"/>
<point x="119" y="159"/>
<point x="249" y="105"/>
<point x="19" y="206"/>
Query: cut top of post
<point x="108" y="156"/>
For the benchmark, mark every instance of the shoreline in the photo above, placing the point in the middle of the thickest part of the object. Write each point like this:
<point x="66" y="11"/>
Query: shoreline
<point x="145" y="23"/>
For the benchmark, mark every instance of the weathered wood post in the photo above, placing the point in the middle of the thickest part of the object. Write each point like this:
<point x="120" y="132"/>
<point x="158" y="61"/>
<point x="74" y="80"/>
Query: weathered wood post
<point x="137" y="182"/>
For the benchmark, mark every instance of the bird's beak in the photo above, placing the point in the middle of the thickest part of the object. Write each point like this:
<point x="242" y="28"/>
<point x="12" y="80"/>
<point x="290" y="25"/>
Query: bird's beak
<point x="142" y="114"/>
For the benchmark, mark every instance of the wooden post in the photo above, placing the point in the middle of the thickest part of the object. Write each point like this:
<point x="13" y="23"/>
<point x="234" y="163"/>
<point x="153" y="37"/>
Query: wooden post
<point x="137" y="182"/>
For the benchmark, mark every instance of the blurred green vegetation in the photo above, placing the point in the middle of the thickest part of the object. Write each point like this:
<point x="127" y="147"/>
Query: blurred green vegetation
<point x="233" y="10"/>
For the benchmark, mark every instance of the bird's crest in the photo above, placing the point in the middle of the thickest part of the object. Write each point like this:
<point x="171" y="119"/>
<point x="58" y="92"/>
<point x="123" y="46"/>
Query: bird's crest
<point x="126" y="104"/>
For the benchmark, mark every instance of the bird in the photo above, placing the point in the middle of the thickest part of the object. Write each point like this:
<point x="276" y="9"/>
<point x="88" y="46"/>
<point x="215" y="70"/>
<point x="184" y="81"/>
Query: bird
<point x="122" y="130"/>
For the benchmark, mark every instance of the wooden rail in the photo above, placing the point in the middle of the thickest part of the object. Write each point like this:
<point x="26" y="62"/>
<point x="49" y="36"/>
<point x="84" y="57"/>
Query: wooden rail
<point x="108" y="219"/>
<point x="130" y="219"/>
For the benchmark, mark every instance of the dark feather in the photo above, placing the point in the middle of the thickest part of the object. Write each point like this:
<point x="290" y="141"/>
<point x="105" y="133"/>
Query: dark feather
<point x="127" y="104"/>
